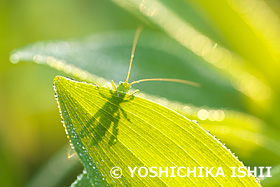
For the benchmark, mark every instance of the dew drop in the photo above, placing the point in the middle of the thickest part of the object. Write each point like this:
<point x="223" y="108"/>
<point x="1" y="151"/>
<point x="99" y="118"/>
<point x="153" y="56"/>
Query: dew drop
<point x="194" y="121"/>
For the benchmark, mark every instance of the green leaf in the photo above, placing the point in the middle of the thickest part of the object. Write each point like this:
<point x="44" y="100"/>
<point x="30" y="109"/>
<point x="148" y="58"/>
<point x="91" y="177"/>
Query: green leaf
<point x="109" y="131"/>
<point x="247" y="136"/>
<point x="106" y="56"/>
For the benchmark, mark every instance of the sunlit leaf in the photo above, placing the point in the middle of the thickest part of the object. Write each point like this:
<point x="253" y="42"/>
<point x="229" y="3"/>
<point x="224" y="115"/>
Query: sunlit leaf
<point x="249" y="137"/>
<point x="132" y="132"/>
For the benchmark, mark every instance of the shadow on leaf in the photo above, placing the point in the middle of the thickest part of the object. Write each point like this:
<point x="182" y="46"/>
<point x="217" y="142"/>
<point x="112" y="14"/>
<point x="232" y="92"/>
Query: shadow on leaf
<point x="108" y="116"/>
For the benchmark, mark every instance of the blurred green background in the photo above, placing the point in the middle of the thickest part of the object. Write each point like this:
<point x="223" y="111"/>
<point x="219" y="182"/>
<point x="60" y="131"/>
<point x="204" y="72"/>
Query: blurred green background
<point x="30" y="128"/>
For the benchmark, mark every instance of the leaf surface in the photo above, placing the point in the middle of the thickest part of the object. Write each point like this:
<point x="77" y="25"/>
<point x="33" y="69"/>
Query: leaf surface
<point x="109" y="131"/>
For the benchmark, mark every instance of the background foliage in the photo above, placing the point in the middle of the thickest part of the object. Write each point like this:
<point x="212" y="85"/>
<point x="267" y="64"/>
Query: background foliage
<point x="30" y="128"/>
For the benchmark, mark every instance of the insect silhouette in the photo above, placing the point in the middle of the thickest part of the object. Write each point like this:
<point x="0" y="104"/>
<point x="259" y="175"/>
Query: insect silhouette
<point x="124" y="87"/>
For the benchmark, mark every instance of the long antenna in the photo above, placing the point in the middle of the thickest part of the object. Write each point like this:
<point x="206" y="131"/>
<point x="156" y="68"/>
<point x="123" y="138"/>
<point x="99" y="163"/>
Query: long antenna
<point x="137" y="34"/>
<point x="168" y="80"/>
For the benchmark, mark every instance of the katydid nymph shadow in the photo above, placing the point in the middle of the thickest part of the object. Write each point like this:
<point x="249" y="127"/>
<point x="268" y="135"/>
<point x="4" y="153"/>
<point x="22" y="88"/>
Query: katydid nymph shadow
<point x="108" y="116"/>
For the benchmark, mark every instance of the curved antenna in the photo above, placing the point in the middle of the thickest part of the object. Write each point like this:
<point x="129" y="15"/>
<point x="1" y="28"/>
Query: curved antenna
<point x="168" y="80"/>
<point x="137" y="34"/>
